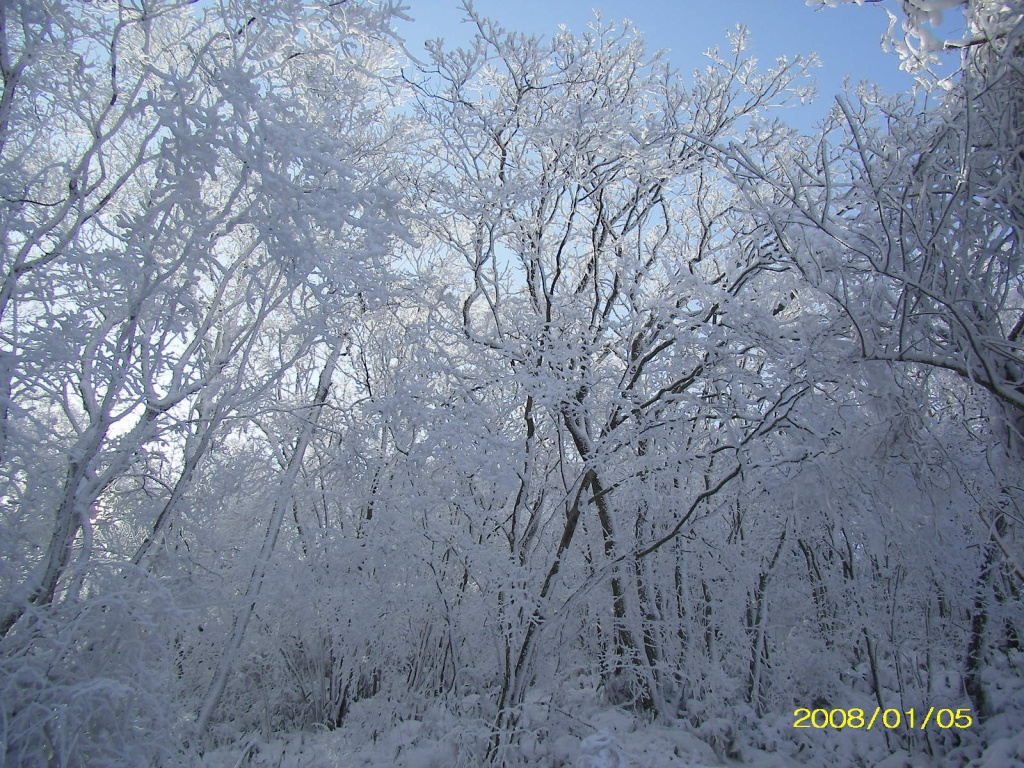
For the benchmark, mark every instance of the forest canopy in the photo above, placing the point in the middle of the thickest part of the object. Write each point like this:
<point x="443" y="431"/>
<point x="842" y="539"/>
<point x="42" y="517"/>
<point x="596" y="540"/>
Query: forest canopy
<point x="528" y="402"/>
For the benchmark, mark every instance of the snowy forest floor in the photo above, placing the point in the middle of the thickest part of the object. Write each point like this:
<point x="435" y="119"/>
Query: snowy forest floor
<point x="600" y="736"/>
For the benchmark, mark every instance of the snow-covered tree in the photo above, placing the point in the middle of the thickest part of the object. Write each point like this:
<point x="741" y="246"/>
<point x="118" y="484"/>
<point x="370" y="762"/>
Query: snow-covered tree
<point x="184" y="192"/>
<point x="917" y="35"/>
<point x="626" y="304"/>
<point x="446" y="403"/>
<point x="911" y="222"/>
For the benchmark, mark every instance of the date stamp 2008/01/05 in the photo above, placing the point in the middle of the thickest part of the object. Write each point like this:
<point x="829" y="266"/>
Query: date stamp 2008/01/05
<point x="884" y="718"/>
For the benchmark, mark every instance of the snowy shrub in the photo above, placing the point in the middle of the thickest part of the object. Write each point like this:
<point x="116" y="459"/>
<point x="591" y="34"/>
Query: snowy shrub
<point x="88" y="686"/>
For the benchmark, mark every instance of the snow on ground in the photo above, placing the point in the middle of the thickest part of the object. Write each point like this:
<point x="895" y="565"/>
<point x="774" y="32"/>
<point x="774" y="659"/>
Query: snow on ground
<point x="584" y="731"/>
<point x="648" y="748"/>
<point x="617" y="740"/>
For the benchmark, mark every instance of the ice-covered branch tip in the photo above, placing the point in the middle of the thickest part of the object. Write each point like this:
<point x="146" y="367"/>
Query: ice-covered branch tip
<point x="916" y="31"/>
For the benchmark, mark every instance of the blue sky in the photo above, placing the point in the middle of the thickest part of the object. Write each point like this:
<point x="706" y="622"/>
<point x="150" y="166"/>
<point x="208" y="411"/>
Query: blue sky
<point x="846" y="38"/>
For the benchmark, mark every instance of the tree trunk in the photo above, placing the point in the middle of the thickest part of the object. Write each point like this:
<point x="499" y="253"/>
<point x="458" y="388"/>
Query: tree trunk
<point x="282" y="502"/>
<point x="975" y="663"/>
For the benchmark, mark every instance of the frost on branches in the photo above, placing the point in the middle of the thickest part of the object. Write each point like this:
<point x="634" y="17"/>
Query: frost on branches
<point x="915" y="27"/>
<point x="536" y="404"/>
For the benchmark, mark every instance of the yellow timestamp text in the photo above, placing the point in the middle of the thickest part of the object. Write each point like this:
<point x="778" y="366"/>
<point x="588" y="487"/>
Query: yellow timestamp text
<point x="884" y="718"/>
